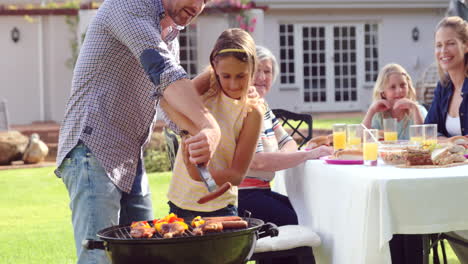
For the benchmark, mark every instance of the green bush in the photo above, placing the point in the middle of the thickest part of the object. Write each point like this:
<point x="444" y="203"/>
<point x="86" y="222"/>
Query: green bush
<point x="155" y="155"/>
<point x="156" y="161"/>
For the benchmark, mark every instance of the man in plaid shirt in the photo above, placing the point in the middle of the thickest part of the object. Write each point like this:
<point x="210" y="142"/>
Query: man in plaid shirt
<point x="128" y="61"/>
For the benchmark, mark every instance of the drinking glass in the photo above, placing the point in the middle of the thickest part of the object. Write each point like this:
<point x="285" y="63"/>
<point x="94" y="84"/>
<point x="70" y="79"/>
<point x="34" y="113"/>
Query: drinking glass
<point x="390" y="129"/>
<point x="430" y="134"/>
<point x="416" y="133"/>
<point x="370" y="146"/>
<point x="339" y="136"/>
<point x="353" y="136"/>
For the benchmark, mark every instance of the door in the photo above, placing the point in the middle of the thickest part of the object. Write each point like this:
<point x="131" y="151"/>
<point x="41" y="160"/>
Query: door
<point x="331" y="68"/>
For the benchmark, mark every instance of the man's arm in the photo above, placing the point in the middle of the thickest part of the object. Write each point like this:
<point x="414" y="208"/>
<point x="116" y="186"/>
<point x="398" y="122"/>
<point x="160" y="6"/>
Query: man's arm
<point x="133" y="24"/>
<point x="182" y="98"/>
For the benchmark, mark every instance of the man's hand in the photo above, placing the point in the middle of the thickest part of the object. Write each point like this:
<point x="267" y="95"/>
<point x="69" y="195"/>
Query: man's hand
<point x="202" y="146"/>
<point x="254" y="99"/>
<point x="252" y="92"/>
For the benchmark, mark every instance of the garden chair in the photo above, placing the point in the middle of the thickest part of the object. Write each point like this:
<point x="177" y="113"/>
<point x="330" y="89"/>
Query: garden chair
<point x="287" y="117"/>
<point x="293" y="242"/>
<point x="436" y="239"/>
<point x="172" y="145"/>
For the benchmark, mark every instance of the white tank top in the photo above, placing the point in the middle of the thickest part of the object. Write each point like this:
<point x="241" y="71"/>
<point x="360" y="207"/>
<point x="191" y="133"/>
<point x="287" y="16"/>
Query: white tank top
<point x="452" y="124"/>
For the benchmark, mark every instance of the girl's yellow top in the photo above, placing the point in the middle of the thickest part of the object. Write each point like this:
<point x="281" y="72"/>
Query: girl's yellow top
<point x="183" y="190"/>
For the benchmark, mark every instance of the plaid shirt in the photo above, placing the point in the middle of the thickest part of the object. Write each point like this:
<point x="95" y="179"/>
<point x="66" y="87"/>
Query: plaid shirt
<point x="122" y="70"/>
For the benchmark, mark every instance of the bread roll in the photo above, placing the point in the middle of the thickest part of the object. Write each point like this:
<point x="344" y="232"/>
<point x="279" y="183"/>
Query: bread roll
<point x="348" y="154"/>
<point x="461" y="141"/>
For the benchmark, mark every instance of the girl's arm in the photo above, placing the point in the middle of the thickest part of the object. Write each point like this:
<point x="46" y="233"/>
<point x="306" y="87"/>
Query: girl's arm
<point x="244" y="152"/>
<point x="202" y="82"/>
<point x="413" y="108"/>
<point x="378" y="106"/>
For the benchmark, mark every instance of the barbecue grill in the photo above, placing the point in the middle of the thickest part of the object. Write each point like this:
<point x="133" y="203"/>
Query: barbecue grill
<point x="233" y="246"/>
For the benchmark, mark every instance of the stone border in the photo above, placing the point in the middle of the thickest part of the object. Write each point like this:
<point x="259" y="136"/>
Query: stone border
<point x="21" y="165"/>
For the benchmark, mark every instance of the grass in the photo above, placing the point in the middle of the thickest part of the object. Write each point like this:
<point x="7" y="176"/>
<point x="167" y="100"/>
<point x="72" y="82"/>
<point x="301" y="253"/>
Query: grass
<point x="36" y="220"/>
<point x="35" y="225"/>
<point x="328" y="123"/>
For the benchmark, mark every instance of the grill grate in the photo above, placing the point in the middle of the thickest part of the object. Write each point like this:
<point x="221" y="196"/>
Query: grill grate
<point x="123" y="231"/>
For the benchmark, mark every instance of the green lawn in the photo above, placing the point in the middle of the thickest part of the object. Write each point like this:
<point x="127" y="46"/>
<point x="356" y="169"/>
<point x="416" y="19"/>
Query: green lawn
<point x="35" y="218"/>
<point x="328" y="123"/>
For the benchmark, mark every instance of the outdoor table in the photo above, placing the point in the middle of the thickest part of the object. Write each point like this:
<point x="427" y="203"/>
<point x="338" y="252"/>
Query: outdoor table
<point x="356" y="209"/>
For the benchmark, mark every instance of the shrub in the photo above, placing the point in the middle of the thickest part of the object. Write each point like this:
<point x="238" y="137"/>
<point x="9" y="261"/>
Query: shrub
<point x="155" y="156"/>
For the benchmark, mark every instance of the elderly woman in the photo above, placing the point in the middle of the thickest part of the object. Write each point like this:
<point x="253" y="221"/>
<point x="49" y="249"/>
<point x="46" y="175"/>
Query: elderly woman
<point x="276" y="150"/>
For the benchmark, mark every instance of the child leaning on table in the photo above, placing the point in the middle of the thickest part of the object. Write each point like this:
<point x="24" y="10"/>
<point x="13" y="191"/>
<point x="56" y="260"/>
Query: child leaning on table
<point x="224" y="91"/>
<point x="394" y="97"/>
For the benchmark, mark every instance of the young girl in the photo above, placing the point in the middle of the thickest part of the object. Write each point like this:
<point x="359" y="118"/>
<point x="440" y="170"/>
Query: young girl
<point x="224" y="91"/>
<point x="394" y="97"/>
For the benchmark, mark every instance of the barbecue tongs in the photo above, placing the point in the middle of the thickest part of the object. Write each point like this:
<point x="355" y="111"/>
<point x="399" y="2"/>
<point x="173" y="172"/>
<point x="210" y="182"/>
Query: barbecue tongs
<point x="188" y="128"/>
<point x="205" y="175"/>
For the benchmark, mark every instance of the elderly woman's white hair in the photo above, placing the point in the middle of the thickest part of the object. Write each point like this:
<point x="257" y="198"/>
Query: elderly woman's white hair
<point x="265" y="54"/>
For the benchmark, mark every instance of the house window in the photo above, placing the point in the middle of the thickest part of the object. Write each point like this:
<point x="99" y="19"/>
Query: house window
<point x="322" y="60"/>
<point x="315" y="79"/>
<point x="345" y="66"/>
<point x="371" y="52"/>
<point x="287" y="72"/>
<point x="188" y="50"/>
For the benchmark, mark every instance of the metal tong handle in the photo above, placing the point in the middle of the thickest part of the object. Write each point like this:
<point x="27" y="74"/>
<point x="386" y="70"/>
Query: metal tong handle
<point x="203" y="171"/>
<point x="207" y="178"/>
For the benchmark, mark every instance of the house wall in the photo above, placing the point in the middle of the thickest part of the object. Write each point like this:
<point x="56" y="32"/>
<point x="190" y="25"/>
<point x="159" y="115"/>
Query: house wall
<point x="395" y="43"/>
<point x="24" y="72"/>
<point x="34" y="77"/>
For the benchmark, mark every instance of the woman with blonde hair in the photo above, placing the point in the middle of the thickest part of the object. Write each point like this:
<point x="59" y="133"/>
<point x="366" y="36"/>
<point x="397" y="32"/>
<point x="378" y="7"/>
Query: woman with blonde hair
<point x="449" y="109"/>
<point x="394" y="97"/>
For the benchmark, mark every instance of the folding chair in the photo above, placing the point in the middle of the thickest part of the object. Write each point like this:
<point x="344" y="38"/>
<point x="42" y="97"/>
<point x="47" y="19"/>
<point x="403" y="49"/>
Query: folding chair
<point x="293" y="245"/>
<point x="435" y="240"/>
<point x="287" y="116"/>
<point x="172" y="143"/>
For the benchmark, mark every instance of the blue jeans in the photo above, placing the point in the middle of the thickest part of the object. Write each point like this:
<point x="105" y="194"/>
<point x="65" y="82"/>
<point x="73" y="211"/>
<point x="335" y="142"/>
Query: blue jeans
<point x="268" y="206"/>
<point x="188" y="215"/>
<point x="96" y="202"/>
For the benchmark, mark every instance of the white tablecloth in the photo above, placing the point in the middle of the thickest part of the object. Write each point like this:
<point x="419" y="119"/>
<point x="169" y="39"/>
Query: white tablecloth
<point x="356" y="209"/>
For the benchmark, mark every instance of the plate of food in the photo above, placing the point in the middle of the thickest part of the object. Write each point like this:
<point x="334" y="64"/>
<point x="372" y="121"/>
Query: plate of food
<point x="344" y="157"/>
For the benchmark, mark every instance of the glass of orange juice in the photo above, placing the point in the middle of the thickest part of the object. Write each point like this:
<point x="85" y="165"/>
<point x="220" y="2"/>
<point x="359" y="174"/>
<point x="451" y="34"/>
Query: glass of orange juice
<point x="390" y="129"/>
<point x="370" y="146"/>
<point x="353" y="136"/>
<point x="416" y="133"/>
<point x="339" y="136"/>
<point x="430" y="134"/>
